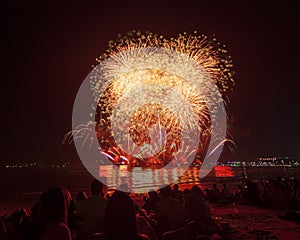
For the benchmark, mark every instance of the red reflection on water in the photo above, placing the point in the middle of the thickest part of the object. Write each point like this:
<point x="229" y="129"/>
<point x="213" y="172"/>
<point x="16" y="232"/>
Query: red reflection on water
<point x="223" y="171"/>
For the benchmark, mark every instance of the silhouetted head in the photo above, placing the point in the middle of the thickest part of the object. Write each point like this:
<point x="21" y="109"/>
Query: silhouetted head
<point x="224" y="185"/>
<point x="165" y="192"/>
<point x="186" y="191"/>
<point x="107" y="196"/>
<point x="54" y="205"/>
<point x="119" y="219"/>
<point x="176" y="187"/>
<point x="81" y="196"/>
<point x="96" y="187"/>
<point x="197" y="190"/>
<point x="214" y="185"/>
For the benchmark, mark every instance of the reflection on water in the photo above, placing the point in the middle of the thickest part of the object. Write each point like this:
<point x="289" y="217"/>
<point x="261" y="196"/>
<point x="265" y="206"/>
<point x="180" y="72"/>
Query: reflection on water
<point x="78" y="179"/>
<point x="140" y="179"/>
<point x="223" y="171"/>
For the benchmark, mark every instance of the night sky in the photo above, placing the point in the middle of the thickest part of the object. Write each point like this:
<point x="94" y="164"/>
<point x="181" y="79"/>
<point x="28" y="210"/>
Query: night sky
<point x="48" y="49"/>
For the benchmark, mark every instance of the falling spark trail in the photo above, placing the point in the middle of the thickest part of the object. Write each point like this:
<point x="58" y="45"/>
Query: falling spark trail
<point x="127" y="73"/>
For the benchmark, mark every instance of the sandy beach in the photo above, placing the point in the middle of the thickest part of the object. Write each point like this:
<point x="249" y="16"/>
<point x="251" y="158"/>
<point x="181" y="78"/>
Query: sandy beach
<point x="245" y="222"/>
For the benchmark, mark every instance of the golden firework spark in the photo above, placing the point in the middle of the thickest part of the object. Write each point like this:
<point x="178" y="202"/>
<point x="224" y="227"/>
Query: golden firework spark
<point x="128" y="72"/>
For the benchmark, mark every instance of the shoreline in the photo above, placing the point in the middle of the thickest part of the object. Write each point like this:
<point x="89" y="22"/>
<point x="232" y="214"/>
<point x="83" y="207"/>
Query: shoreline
<point x="245" y="222"/>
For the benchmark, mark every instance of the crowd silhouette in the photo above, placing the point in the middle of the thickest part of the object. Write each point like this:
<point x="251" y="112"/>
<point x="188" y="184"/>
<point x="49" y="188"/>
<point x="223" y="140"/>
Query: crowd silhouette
<point x="166" y="214"/>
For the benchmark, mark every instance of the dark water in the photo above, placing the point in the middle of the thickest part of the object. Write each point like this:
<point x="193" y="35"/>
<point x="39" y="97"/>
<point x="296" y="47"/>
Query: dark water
<point x="30" y="181"/>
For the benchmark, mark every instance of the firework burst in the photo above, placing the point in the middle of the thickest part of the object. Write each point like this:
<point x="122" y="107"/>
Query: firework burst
<point x="137" y="72"/>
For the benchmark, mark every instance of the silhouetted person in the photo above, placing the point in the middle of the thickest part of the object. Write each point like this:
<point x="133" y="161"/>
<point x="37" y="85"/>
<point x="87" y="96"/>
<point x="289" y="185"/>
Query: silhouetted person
<point x="93" y="211"/>
<point x="238" y="195"/>
<point x="120" y="219"/>
<point x="35" y="208"/>
<point x="151" y="202"/>
<point x="251" y="194"/>
<point x="198" y="191"/>
<point x="226" y="193"/>
<point x="176" y="193"/>
<point x="51" y="220"/>
<point x="80" y="200"/>
<point x="16" y="221"/>
<point x="277" y="195"/>
<point x="209" y="196"/>
<point x="198" y="209"/>
<point x="295" y="196"/>
<point x="71" y="214"/>
<point x="216" y="194"/>
<point x="186" y="195"/>
<point x="169" y="212"/>
<point x="107" y="196"/>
